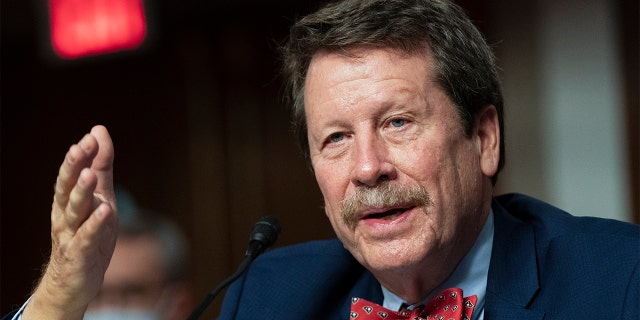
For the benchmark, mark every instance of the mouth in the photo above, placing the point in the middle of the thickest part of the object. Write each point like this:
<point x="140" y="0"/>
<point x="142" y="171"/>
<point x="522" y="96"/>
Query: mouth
<point x="383" y="205"/>
<point x="387" y="215"/>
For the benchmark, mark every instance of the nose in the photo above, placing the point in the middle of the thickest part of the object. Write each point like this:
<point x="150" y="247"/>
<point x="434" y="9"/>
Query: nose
<point x="371" y="158"/>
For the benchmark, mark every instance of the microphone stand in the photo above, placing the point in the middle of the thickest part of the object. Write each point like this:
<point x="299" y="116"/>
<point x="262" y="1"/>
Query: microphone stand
<point x="244" y="265"/>
<point x="264" y="234"/>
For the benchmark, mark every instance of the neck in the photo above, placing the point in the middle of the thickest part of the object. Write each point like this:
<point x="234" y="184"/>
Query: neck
<point x="413" y="283"/>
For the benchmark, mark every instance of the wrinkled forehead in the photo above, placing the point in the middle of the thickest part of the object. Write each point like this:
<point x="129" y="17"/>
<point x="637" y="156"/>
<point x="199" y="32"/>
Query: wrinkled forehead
<point x="363" y="66"/>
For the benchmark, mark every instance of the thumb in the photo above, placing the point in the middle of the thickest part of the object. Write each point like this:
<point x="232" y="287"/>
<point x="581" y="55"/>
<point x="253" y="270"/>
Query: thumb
<point x="102" y="164"/>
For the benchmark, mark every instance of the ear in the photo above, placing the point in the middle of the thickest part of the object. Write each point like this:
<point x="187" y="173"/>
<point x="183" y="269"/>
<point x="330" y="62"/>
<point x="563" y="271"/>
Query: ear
<point x="488" y="134"/>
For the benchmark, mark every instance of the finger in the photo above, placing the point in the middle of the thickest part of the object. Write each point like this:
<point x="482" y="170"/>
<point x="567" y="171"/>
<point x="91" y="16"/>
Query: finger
<point x="81" y="199"/>
<point x="99" y="233"/>
<point x="104" y="159"/>
<point x="102" y="164"/>
<point x="78" y="157"/>
<point x="101" y="225"/>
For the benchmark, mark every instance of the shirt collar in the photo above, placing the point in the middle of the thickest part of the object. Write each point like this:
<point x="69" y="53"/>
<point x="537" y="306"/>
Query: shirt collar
<point x="470" y="274"/>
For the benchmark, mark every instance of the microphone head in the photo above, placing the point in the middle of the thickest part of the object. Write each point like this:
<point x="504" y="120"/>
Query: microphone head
<point x="266" y="231"/>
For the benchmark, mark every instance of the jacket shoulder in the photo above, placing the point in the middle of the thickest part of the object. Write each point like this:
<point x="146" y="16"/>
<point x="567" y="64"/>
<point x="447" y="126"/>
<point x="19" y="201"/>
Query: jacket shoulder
<point x="562" y="256"/>
<point x="552" y="222"/>
<point x="314" y="279"/>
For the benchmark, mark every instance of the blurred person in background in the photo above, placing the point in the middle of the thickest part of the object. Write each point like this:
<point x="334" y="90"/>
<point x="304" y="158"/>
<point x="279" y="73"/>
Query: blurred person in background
<point x="146" y="278"/>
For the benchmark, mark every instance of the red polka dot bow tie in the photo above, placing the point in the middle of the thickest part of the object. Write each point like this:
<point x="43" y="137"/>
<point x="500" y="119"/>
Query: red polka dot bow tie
<point x="448" y="304"/>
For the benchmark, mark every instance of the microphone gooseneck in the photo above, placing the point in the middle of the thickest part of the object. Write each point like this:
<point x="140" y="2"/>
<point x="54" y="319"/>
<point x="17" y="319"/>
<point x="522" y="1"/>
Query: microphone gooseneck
<point x="265" y="233"/>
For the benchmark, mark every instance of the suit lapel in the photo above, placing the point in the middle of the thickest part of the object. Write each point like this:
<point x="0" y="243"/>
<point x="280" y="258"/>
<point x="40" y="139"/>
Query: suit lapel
<point x="513" y="274"/>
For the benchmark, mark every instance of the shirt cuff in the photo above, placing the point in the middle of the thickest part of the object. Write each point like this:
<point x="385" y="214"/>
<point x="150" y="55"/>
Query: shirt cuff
<point x="18" y="315"/>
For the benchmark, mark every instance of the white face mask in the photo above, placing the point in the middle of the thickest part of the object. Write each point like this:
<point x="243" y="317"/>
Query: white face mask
<point x="121" y="314"/>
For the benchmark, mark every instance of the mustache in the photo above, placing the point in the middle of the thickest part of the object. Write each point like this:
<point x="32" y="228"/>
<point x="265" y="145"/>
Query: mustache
<point x="382" y="195"/>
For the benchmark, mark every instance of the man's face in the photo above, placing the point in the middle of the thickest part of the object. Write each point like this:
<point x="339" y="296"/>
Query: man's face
<point x="387" y="146"/>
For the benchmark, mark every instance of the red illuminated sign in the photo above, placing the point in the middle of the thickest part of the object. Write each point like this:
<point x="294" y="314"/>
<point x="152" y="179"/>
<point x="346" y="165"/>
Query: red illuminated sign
<point x="90" y="27"/>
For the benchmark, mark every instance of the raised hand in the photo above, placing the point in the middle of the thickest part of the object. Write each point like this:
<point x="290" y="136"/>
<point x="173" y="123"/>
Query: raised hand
<point x="84" y="224"/>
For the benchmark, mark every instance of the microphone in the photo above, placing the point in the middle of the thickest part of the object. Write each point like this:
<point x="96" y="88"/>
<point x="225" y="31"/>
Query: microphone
<point x="265" y="233"/>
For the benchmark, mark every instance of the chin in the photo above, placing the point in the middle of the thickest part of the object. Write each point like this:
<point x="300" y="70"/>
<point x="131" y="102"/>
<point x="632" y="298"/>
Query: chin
<point x="390" y="256"/>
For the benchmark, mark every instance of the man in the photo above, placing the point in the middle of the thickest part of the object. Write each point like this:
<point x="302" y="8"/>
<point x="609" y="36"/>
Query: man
<point x="146" y="278"/>
<point x="397" y="106"/>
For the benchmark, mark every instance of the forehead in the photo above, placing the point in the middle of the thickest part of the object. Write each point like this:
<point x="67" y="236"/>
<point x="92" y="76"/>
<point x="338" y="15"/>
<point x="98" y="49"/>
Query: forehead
<point x="339" y="74"/>
<point x="325" y="60"/>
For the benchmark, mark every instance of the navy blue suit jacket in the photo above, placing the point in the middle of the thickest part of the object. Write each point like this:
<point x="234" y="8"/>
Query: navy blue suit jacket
<point x="545" y="264"/>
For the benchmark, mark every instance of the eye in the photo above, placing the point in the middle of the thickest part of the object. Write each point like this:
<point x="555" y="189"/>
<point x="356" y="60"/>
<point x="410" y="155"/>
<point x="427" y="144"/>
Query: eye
<point x="398" y="122"/>
<point x="336" y="137"/>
